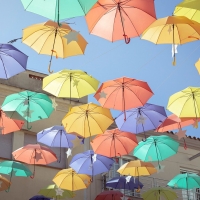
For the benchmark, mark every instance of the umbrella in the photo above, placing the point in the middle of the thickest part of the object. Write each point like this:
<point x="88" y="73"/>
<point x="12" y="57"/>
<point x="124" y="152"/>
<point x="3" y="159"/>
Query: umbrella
<point x="114" y="143"/>
<point x="156" y="193"/>
<point x="87" y="120"/>
<point x="70" y="83"/>
<point x="185" y="181"/>
<point x="115" y="20"/>
<point x="189" y="9"/>
<point x="53" y="191"/>
<point x="90" y="163"/>
<point x="12" y="61"/>
<point x="39" y="197"/>
<point x="4" y="183"/>
<point x="31" y="105"/>
<point x="34" y="154"/>
<point x="173" y="30"/>
<point x="186" y="103"/>
<point x="109" y="195"/>
<point x="8" y="125"/>
<point x="68" y="179"/>
<point x="51" y="38"/>
<point x="156" y="148"/>
<point x="123" y="93"/>
<point x="58" y="9"/>
<point x="141" y="119"/>
<point x="197" y="65"/>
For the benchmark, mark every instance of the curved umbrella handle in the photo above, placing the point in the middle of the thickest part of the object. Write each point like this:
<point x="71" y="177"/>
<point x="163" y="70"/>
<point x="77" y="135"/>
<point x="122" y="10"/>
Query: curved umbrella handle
<point x="49" y="68"/>
<point x="127" y="39"/>
<point x="8" y="190"/>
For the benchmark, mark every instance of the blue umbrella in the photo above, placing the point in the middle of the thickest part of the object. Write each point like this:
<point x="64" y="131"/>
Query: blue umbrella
<point x="39" y="197"/>
<point x="90" y="163"/>
<point x="141" y="119"/>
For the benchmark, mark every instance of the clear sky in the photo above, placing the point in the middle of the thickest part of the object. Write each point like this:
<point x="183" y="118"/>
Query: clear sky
<point x="104" y="60"/>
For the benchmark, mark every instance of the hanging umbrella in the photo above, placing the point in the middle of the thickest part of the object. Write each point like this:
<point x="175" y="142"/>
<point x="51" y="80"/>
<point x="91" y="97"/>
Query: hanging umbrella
<point x="31" y="105"/>
<point x="4" y="183"/>
<point x="156" y="148"/>
<point x="141" y="119"/>
<point x="70" y="83"/>
<point x="58" y="9"/>
<point x="93" y="119"/>
<point x="109" y="195"/>
<point x="12" y="61"/>
<point x="158" y="193"/>
<point x="90" y="163"/>
<point x="197" y="65"/>
<point x="54" y="39"/>
<point x="68" y="179"/>
<point x="115" y="20"/>
<point x="34" y="154"/>
<point x="185" y="181"/>
<point x="8" y="125"/>
<point x="173" y="30"/>
<point x="123" y="93"/>
<point x="39" y="197"/>
<point x="189" y="9"/>
<point x="114" y="143"/>
<point x="53" y="191"/>
<point x="186" y="103"/>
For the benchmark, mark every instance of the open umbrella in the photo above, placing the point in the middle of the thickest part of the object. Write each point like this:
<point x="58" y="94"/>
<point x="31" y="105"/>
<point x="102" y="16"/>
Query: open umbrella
<point x="68" y="179"/>
<point x="114" y="143"/>
<point x="12" y="61"/>
<point x="118" y="19"/>
<point x="109" y="195"/>
<point x="39" y="197"/>
<point x="4" y="183"/>
<point x="123" y="93"/>
<point x="32" y="106"/>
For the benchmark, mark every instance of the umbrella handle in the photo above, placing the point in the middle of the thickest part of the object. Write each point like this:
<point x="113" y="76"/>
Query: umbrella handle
<point x="8" y="190"/>
<point x="127" y="39"/>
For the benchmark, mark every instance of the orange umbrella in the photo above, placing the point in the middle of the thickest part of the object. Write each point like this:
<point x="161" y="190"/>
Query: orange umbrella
<point x="114" y="143"/>
<point x="118" y="19"/>
<point x="4" y="183"/>
<point x="35" y="154"/>
<point x="8" y="125"/>
<point x="123" y="94"/>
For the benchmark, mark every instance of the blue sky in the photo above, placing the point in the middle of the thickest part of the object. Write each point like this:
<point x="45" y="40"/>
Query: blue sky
<point x="104" y="60"/>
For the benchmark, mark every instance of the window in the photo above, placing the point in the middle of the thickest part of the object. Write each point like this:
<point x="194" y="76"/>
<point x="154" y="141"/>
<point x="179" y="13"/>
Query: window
<point x="6" y="144"/>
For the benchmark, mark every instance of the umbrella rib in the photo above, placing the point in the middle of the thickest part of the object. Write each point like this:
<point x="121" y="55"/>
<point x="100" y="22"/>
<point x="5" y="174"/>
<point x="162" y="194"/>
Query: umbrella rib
<point x="4" y="66"/>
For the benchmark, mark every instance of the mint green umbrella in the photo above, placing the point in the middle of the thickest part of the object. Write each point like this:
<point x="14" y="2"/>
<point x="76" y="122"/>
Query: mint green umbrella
<point x="156" y="148"/>
<point x="58" y="9"/>
<point x="30" y="105"/>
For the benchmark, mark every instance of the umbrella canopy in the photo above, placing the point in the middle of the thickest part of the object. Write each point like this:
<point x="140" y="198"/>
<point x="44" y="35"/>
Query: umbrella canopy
<point x="39" y="197"/>
<point x="189" y="9"/>
<point x="123" y="182"/>
<point x="8" y="125"/>
<point x="90" y="163"/>
<point x="123" y="93"/>
<point x="109" y="195"/>
<point x="70" y="83"/>
<point x="68" y="179"/>
<point x="31" y="105"/>
<point x="114" y="143"/>
<point x="4" y="183"/>
<point x="53" y="191"/>
<point x="158" y="193"/>
<point x="12" y="61"/>
<point x="197" y="65"/>
<point x="115" y="20"/>
<point x="87" y="120"/>
<point x="141" y="119"/>
<point x="58" y="9"/>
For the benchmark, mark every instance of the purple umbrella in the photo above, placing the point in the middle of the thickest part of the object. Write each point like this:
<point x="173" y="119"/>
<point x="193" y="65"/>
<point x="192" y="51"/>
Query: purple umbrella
<point x="12" y="61"/>
<point x="39" y="197"/>
<point x="90" y="163"/>
<point x="141" y="119"/>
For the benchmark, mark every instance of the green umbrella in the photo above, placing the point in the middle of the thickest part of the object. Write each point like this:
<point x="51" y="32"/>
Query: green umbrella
<point x="59" y="9"/>
<point x="156" y="148"/>
<point x="53" y="191"/>
<point x="30" y="105"/>
<point x="185" y="181"/>
<point x="158" y="192"/>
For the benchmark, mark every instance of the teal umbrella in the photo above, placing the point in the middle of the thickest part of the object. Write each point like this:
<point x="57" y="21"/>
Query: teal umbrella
<point x="185" y="181"/>
<point x="58" y="9"/>
<point x="156" y="148"/>
<point x="30" y="105"/>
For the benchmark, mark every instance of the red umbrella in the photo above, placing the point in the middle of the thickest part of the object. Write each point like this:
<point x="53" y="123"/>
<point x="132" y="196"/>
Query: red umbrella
<point x="109" y="195"/>
<point x="114" y="143"/>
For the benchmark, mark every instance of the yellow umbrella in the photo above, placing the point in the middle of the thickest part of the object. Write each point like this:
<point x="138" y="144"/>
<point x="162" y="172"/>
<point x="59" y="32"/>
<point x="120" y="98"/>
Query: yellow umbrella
<point x="51" y="38"/>
<point x="189" y="9"/>
<point x="197" y="65"/>
<point x="87" y="120"/>
<point x="68" y="179"/>
<point x="4" y="183"/>
<point x="172" y="30"/>
<point x="186" y="103"/>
